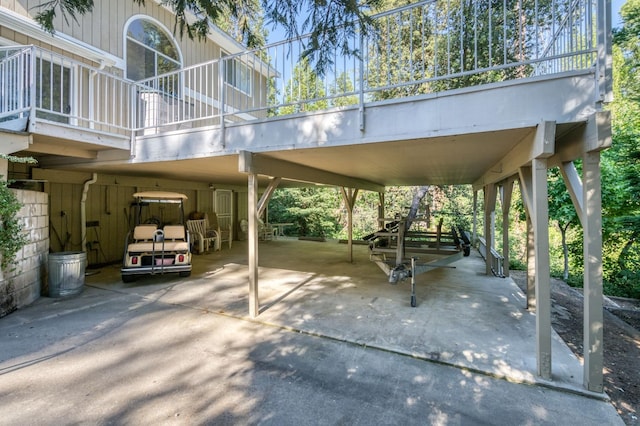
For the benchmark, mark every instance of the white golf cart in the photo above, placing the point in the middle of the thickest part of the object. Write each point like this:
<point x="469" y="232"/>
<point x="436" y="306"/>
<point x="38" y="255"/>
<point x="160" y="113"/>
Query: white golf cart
<point x="159" y="242"/>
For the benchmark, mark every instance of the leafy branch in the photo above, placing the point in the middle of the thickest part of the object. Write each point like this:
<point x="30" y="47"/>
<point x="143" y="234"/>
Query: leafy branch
<point x="12" y="237"/>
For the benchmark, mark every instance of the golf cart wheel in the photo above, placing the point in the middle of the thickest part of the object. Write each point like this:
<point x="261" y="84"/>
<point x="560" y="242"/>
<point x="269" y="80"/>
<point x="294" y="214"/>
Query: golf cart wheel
<point x="128" y="278"/>
<point x="413" y="301"/>
<point x="185" y="274"/>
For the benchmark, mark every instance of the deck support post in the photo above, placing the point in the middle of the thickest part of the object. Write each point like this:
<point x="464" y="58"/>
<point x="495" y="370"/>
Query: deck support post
<point x="349" y="195"/>
<point x="592" y="247"/>
<point x="490" y="194"/>
<point x="474" y="237"/>
<point x="254" y="302"/>
<point x="526" y="191"/>
<point x="506" y="191"/>
<point x="540" y="219"/>
<point x="380" y="210"/>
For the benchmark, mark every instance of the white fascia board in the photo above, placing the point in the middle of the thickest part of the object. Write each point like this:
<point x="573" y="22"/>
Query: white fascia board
<point x="30" y="28"/>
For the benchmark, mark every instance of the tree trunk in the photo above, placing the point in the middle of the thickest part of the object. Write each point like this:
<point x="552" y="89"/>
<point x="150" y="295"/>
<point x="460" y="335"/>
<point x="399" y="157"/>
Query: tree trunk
<point x="565" y="251"/>
<point x="415" y="204"/>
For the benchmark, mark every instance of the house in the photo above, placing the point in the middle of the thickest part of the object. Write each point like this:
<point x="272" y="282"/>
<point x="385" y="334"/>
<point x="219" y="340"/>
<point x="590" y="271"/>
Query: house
<point x="84" y="104"/>
<point x="108" y="111"/>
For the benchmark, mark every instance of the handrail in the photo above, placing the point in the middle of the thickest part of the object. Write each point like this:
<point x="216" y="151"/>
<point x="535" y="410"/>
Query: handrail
<point x="57" y="89"/>
<point x="416" y="49"/>
<point x="497" y="261"/>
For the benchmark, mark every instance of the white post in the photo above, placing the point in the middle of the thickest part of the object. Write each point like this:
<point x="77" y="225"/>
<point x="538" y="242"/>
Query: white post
<point x="540" y="217"/>
<point x="592" y="246"/>
<point x="507" y="192"/>
<point x="489" y="223"/>
<point x="526" y="191"/>
<point x="254" y="301"/>
<point x="475" y="218"/>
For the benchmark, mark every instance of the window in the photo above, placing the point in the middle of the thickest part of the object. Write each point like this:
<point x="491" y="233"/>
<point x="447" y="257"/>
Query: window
<point x="237" y="75"/>
<point x="53" y="91"/>
<point x="150" y="50"/>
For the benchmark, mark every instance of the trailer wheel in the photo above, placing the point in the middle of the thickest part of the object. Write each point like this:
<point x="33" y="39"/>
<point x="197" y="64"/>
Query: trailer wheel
<point x="185" y="274"/>
<point x="413" y="301"/>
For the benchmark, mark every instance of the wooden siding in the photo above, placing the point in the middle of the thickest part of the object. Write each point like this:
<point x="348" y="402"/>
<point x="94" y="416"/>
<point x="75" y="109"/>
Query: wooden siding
<point x="107" y="209"/>
<point x="104" y="27"/>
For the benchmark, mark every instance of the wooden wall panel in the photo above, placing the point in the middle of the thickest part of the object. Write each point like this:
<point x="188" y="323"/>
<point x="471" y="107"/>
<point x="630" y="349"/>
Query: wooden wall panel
<point x="104" y="27"/>
<point x="108" y="203"/>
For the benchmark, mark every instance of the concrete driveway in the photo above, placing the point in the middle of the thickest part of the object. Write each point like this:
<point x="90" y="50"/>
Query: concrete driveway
<point x="334" y="344"/>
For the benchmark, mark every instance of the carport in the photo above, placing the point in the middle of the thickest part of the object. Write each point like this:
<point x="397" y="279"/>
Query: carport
<point x="521" y="154"/>
<point x="485" y="143"/>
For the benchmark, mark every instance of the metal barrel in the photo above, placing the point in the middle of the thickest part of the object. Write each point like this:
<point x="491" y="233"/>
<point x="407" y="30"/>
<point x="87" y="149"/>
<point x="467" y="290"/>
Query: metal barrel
<point x="66" y="273"/>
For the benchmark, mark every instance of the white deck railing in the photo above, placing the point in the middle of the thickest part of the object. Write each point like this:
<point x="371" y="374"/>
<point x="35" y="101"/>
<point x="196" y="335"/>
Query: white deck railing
<point x="497" y="261"/>
<point x="425" y="47"/>
<point x="40" y="85"/>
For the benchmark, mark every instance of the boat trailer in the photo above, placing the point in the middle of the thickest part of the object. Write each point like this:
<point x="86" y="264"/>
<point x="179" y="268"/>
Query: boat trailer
<point x="397" y="251"/>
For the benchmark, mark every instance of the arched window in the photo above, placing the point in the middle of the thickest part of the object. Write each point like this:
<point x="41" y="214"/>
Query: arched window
<point x="150" y="50"/>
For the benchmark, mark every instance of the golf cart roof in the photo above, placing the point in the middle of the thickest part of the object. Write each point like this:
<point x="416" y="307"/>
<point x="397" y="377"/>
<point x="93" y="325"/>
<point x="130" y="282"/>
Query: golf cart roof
<point x="160" y="196"/>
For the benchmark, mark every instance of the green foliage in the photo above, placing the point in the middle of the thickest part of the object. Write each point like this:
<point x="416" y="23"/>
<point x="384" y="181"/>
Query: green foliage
<point x="72" y="8"/>
<point x="320" y="211"/>
<point x="313" y="211"/>
<point x="12" y="239"/>
<point x="454" y="37"/>
<point x="342" y="86"/>
<point x="247" y="29"/>
<point x="21" y="160"/>
<point x="517" y="264"/>
<point x="621" y="163"/>
<point x="304" y="91"/>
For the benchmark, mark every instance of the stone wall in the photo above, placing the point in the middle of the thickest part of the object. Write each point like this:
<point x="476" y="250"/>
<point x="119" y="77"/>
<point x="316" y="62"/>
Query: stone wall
<point x="21" y="286"/>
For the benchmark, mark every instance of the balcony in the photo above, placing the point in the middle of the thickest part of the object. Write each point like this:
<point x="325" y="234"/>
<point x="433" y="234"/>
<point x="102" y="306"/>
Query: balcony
<point x="420" y="51"/>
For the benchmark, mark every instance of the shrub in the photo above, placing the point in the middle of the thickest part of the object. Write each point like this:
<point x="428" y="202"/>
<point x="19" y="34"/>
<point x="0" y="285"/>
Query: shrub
<point x="12" y="238"/>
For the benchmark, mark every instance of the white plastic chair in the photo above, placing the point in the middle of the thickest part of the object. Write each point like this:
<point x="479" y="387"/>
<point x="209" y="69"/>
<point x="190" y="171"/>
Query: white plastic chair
<point x="198" y="228"/>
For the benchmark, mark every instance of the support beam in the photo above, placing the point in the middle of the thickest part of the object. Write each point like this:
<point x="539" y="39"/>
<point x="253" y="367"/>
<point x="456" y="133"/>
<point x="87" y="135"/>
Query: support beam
<point x="526" y="190"/>
<point x="266" y="196"/>
<point x="531" y="266"/>
<point x="380" y="210"/>
<point x="349" y="195"/>
<point x="254" y="302"/>
<point x="475" y="218"/>
<point x="506" y="191"/>
<point x="574" y="186"/>
<point x="593" y="135"/>
<point x="593" y="316"/>
<point x="490" y="194"/>
<point x="539" y="144"/>
<point x="540" y="219"/>
<point x="14" y="141"/>
<point x="249" y="162"/>
<point x="61" y="149"/>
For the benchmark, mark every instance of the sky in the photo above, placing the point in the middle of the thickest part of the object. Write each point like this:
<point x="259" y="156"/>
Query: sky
<point x="615" y="12"/>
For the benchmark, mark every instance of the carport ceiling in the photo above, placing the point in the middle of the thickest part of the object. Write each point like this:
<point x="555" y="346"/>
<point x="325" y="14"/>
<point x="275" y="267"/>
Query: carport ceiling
<point x="460" y="159"/>
<point x="457" y="159"/>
